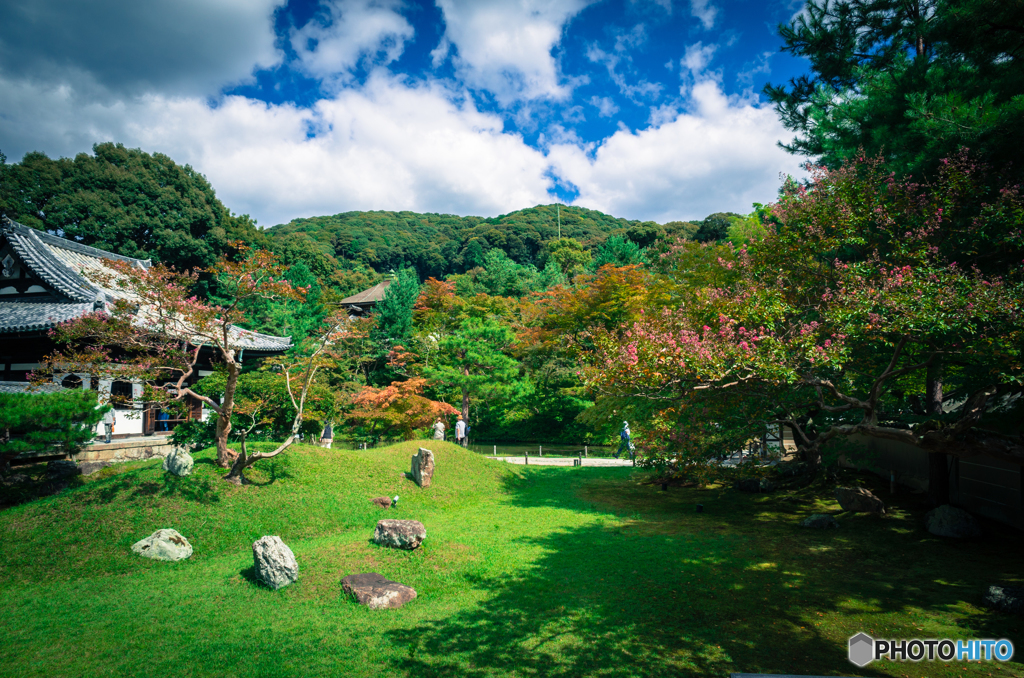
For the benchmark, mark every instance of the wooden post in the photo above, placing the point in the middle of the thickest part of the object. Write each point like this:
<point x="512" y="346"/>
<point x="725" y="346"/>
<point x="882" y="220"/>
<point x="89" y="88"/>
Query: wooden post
<point x="526" y="457"/>
<point x="584" y="450"/>
<point x="495" y="451"/>
<point x="540" y="450"/>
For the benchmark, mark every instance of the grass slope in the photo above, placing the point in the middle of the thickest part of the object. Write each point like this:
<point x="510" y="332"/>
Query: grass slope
<point x="525" y="572"/>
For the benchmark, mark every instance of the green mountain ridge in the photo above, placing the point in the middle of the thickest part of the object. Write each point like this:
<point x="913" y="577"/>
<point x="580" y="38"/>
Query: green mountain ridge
<point x="441" y="244"/>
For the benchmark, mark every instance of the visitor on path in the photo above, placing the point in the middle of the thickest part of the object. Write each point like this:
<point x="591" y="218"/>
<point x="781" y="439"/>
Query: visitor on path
<point x="625" y="445"/>
<point x="109" y="419"/>
<point x="162" y="418"/>
<point x="327" y="437"/>
<point x="460" y="431"/>
<point x="439" y="429"/>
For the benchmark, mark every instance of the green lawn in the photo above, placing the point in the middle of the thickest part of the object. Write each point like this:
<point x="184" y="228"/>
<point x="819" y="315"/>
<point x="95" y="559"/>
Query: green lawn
<point x="526" y="571"/>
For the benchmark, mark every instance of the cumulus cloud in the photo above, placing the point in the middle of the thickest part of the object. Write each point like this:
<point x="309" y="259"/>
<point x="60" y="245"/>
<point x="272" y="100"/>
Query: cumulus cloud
<point x="385" y="145"/>
<point x="720" y="155"/>
<point x="347" y="32"/>
<point x="182" y="47"/>
<point x="505" y="46"/>
<point x="606" y="108"/>
<point x="705" y="12"/>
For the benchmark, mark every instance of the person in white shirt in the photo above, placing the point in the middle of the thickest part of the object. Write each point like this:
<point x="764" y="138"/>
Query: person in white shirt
<point x="109" y="419"/>
<point x="460" y="431"/>
<point x="439" y="429"/>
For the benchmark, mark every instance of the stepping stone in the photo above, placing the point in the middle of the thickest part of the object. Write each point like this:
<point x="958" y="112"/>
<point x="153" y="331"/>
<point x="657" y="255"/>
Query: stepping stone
<point x="377" y="592"/>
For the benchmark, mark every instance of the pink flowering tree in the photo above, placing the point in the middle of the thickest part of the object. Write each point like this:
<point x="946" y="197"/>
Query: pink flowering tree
<point x="156" y="329"/>
<point x="874" y="306"/>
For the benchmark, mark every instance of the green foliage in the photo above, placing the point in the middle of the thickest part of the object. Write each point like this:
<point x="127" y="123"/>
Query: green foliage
<point x="570" y="255"/>
<point x="394" y="313"/>
<point x="716" y="227"/>
<point x="441" y="244"/>
<point x="474" y="360"/>
<point x="618" y="251"/>
<point x="37" y="422"/>
<point x="125" y="201"/>
<point x="915" y="81"/>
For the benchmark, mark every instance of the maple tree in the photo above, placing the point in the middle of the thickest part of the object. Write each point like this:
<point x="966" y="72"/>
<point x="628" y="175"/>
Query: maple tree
<point x="397" y="410"/>
<point x="155" y="328"/>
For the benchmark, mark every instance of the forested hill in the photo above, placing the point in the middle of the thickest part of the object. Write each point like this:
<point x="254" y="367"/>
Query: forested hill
<point x="440" y="244"/>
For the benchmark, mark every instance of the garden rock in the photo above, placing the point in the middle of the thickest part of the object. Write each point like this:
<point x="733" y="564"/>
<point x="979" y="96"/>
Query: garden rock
<point x="820" y="521"/>
<point x="87" y="468"/>
<point x="179" y="462"/>
<point x="274" y="562"/>
<point x="949" y="521"/>
<point x="62" y="469"/>
<point x="423" y="467"/>
<point x="1008" y="599"/>
<point x="400" y="534"/>
<point x="377" y="592"/>
<point x="383" y="502"/>
<point x="755" y="485"/>
<point x="164" y="544"/>
<point x="858" y="499"/>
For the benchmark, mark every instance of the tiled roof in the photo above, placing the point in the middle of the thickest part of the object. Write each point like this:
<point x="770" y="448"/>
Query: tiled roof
<point x="24" y="386"/>
<point x="256" y="341"/>
<point x="368" y="297"/>
<point x="16" y="316"/>
<point x="64" y="266"/>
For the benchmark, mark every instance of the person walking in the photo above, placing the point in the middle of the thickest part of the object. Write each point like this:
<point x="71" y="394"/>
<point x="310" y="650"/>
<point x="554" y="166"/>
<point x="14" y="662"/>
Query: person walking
<point x="460" y="431"/>
<point x="327" y="437"/>
<point x="625" y="445"/>
<point x="439" y="429"/>
<point x="109" y="419"/>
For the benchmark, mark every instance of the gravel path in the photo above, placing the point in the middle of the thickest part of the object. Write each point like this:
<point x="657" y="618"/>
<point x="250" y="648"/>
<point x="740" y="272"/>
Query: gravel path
<point x="564" y="461"/>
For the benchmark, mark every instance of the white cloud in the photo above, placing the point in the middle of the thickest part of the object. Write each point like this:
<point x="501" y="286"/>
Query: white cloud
<point x="504" y="46"/>
<point x="181" y="47"/>
<point x="705" y="12"/>
<point x="386" y="145"/>
<point x="759" y="65"/>
<point x="697" y="58"/>
<point x="350" y="31"/>
<point x="606" y="108"/>
<point x="719" y="156"/>
<point x="636" y="89"/>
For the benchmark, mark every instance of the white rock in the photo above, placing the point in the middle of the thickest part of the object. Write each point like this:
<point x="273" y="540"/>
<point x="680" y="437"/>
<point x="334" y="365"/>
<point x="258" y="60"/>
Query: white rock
<point x="179" y="463"/>
<point x="164" y="544"/>
<point x="274" y="562"/>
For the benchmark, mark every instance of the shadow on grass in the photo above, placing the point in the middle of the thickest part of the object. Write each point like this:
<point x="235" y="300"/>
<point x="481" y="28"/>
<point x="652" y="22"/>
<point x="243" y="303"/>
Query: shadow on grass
<point x="643" y="597"/>
<point x="129" y="485"/>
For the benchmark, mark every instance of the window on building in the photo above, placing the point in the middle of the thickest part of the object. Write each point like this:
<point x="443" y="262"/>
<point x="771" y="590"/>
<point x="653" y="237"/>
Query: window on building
<point x="121" y="395"/>
<point x="71" y="381"/>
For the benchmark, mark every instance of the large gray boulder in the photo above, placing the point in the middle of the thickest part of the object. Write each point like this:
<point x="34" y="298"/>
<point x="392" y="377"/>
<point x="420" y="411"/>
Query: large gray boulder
<point x="274" y="562"/>
<point x="858" y="499"/>
<point x="377" y="592"/>
<point x="423" y="467"/>
<point x="179" y="462"/>
<point x="819" y="521"/>
<point x="165" y="544"/>
<point x="400" y="534"/>
<point x="1009" y="599"/>
<point x="949" y="521"/>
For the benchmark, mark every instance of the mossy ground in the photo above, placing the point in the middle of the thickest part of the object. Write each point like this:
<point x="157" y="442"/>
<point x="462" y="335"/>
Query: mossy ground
<point x="526" y="571"/>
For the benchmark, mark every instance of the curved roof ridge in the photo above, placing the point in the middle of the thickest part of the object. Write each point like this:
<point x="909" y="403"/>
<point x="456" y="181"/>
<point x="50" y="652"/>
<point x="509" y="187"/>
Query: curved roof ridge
<point x="43" y="263"/>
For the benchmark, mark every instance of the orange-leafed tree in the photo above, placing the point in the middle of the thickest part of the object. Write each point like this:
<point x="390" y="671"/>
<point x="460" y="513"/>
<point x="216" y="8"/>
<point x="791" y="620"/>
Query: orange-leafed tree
<point x="397" y="410"/>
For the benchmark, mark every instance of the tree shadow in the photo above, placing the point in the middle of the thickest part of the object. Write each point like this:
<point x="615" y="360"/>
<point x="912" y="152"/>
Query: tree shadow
<point x="644" y="598"/>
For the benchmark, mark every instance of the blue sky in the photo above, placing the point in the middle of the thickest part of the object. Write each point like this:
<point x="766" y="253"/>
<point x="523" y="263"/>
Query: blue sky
<point x="645" y="109"/>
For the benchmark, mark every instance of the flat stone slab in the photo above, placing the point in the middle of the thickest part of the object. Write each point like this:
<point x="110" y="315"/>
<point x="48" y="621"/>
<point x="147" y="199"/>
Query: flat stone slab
<point x="400" y="534"/>
<point x="166" y="544"/>
<point x="376" y="591"/>
<point x="383" y="502"/>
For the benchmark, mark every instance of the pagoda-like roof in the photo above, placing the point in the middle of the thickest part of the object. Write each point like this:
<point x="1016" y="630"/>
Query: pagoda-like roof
<point x="63" y="266"/>
<point x="367" y="297"/>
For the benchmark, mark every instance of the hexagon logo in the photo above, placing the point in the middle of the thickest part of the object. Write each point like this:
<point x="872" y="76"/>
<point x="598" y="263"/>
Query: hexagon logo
<point x="862" y="649"/>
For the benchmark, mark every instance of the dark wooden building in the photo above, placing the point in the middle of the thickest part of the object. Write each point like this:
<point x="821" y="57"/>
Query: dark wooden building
<point x="43" y="282"/>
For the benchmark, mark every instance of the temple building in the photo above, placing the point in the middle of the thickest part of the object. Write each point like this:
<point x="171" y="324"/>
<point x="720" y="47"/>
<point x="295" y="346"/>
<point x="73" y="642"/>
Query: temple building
<point x="365" y="301"/>
<point x="43" y="282"/>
